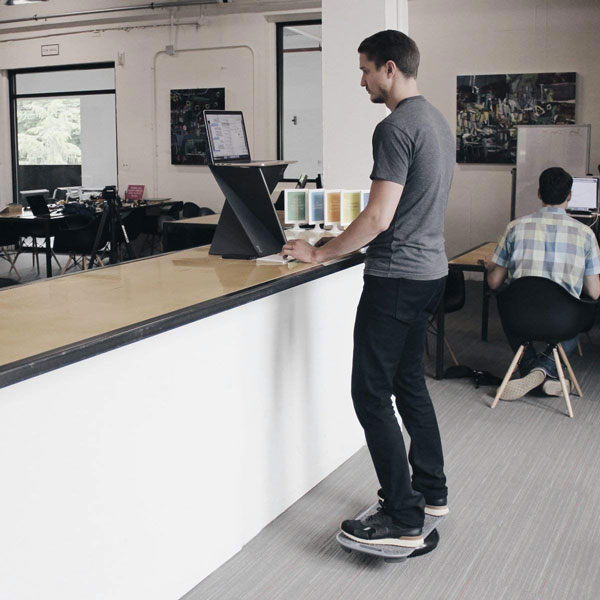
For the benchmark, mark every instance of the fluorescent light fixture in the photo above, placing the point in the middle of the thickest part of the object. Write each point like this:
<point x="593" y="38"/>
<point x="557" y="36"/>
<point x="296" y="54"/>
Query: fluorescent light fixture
<point x="15" y="2"/>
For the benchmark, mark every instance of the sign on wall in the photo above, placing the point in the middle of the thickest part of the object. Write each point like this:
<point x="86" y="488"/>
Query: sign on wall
<point x="489" y="108"/>
<point x="189" y="145"/>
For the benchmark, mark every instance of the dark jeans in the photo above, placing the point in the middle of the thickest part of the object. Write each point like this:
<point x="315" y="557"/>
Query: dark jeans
<point x="389" y="342"/>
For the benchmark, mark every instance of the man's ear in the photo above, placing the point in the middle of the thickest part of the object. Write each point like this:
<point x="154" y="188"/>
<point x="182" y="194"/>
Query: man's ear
<point x="539" y="195"/>
<point x="390" y="68"/>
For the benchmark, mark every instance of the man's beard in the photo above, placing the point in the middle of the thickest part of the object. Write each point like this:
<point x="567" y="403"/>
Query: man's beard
<point x="380" y="97"/>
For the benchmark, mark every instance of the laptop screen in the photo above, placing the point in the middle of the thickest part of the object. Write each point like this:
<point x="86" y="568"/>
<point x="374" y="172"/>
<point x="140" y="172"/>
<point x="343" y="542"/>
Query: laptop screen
<point x="38" y="205"/>
<point x="227" y="136"/>
<point x="584" y="194"/>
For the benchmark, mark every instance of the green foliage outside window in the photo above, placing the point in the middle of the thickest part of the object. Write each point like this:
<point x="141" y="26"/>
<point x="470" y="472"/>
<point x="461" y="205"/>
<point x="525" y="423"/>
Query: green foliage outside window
<point x="49" y="131"/>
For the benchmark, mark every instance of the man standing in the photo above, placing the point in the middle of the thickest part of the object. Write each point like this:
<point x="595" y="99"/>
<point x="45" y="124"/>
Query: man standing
<point x="548" y="244"/>
<point x="405" y="271"/>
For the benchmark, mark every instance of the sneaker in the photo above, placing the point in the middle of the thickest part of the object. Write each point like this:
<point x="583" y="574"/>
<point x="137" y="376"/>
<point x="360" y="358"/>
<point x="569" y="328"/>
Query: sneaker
<point x="517" y="388"/>
<point x="552" y="387"/>
<point x="380" y="528"/>
<point x="437" y="507"/>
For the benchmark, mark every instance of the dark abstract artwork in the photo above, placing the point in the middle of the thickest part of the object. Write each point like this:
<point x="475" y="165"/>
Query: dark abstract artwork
<point x="189" y="145"/>
<point x="490" y="107"/>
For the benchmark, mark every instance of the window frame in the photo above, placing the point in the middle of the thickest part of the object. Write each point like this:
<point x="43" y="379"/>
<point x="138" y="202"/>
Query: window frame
<point x="14" y="97"/>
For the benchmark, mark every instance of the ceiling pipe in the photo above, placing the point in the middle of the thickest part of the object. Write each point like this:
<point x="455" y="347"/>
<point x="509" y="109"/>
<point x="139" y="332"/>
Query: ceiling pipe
<point x="99" y="11"/>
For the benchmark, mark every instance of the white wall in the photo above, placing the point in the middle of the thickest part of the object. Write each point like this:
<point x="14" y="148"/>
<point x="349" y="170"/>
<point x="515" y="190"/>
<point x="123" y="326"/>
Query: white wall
<point x="303" y="141"/>
<point x="98" y="135"/>
<point x="349" y="118"/>
<point x="232" y="51"/>
<point x="512" y="36"/>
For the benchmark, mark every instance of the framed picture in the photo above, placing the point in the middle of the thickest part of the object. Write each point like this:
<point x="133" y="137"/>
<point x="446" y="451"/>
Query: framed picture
<point x="189" y="145"/>
<point x="489" y="108"/>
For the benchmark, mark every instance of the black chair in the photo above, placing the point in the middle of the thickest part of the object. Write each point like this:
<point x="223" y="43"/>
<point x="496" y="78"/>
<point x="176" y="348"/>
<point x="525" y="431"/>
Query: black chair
<point x="536" y="309"/>
<point x="190" y="209"/>
<point x="454" y="300"/>
<point x="133" y="221"/>
<point x="152" y="223"/>
<point x="9" y="244"/>
<point x="77" y="239"/>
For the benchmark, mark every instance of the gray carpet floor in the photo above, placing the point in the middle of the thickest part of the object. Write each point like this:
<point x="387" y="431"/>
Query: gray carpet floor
<point x="524" y="499"/>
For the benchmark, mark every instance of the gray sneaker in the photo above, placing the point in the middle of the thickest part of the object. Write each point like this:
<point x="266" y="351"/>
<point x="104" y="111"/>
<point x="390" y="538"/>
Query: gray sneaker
<point x="552" y="387"/>
<point x="517" y="388"/>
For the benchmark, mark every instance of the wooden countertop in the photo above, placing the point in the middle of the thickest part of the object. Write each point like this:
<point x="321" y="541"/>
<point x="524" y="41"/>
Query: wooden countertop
<point x="54" y="322"/>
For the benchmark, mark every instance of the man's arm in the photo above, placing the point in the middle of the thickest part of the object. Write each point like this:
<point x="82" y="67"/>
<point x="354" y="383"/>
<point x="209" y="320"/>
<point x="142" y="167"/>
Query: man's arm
<point x="496" y="274"/>
<point x="377" y="217"/>
<point x="591" y="286"/>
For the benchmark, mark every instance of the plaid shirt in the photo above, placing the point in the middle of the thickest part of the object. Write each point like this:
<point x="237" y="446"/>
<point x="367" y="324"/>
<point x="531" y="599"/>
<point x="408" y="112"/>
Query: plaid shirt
<point x="549" y="244"/>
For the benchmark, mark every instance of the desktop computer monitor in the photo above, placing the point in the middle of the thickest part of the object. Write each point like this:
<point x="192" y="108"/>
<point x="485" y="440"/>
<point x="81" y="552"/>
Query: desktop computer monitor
<point x="584" y="194"/>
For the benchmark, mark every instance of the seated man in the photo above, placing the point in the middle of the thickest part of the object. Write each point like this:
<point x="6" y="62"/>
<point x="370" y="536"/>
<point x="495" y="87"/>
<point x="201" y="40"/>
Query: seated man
<point x="549" y="244"/>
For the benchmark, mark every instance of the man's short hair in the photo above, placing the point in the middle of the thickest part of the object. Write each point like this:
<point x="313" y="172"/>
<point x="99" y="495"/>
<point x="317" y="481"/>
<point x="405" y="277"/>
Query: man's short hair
<point x="555" y="185"/>
<point x="392" y="45"/>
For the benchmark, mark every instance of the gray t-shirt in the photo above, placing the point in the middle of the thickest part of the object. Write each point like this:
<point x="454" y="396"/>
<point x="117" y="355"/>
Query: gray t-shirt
<point x="413" y="146"/>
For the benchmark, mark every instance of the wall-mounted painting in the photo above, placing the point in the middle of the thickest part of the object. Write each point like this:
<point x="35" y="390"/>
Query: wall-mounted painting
<point x="189" y="145"/>
<point x="489" y="108"/>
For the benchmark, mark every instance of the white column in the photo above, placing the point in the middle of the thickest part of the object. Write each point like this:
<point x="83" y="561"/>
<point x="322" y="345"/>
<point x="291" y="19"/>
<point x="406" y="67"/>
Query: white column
<point x="5" y="143"/>
<point x="349" y="118"/>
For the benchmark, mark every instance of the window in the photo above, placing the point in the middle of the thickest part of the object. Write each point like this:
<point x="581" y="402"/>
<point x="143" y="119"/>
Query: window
<point x="64" y="127"/>
<point x="300" y="114"/>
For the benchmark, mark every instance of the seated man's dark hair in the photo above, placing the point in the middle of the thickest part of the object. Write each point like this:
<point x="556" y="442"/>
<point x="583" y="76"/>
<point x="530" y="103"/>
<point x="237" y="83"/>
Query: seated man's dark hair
<point x="392" y="45"/>
<point x="555" y="185"/>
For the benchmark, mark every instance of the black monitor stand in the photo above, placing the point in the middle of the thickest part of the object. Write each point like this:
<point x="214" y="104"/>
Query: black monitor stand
<point x="248" y="226"/>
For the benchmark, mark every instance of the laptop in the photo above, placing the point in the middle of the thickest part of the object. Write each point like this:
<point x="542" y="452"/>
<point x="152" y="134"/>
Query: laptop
<point x="584" y="195"/>
<point x="39" y="206"/>
<point x="228" y="142"/>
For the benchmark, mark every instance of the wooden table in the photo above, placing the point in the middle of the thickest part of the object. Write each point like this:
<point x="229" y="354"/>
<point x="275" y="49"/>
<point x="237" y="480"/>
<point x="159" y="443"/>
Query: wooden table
<point x="470" y="260"/>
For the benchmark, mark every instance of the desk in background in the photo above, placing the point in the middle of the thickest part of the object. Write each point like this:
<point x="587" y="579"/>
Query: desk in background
<point x="466" y="261"/>
<point x="26" y="225"/>
<point x="189" y="233"/>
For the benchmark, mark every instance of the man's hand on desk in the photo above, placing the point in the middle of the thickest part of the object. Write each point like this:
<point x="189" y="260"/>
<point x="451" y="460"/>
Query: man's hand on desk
<point x="300" y="250"/>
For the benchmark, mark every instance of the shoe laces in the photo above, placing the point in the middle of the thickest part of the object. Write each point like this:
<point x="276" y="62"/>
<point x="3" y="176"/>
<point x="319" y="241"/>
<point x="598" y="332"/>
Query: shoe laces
<point x="376" y="517"/>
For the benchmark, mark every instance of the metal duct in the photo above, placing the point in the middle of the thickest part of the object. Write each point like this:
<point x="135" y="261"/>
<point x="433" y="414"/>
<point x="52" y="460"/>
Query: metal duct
<point x="99" y="11"/>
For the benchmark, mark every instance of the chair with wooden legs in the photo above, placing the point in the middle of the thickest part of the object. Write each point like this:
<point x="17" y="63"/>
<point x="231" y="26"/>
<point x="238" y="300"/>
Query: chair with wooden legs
<point x="9" y="242"/>
<point x="536" y="309"/>
<point x="77" y="240"/>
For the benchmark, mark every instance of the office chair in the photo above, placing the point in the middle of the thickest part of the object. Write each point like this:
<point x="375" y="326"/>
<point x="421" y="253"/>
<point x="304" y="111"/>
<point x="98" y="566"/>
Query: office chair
<point x="190" y="209"/>
<point x="77" y="240"/>
<point x="454" y="300"/>
<point x="153" y="223"/>
<point x="133" y="221"/>
<point x="536" y="309"/>
<point x="36" y="246"/>
<point x="9" y="243"/>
